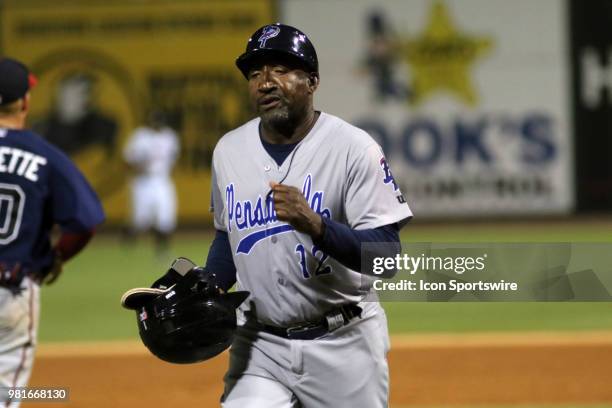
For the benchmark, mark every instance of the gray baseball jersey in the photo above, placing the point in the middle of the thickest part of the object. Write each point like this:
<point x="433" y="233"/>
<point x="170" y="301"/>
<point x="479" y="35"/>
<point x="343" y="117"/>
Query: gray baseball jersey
<point x="343" y="174"/>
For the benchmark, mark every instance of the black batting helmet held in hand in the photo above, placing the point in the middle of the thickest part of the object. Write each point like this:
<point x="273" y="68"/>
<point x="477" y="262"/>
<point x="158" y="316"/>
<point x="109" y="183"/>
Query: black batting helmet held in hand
<point x="279" y="39"/>
<point x="188" y="322"/>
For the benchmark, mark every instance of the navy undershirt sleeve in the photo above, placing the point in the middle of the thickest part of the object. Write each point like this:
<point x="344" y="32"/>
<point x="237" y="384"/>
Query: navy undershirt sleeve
<point x="220" y="261"/>
<point x="339" y="241"/>
<point x="344" y="243"/>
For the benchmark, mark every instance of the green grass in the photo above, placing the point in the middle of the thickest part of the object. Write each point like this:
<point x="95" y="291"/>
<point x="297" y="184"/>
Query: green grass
<point x="587" y="230"/>
<point x="473" y="317"/>
<point x="84" y="303"/>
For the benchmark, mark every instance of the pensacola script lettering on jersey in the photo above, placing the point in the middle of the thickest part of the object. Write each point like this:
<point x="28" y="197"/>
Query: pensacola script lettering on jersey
<point x="246" y="215"/>
<point x="20" y="162"/>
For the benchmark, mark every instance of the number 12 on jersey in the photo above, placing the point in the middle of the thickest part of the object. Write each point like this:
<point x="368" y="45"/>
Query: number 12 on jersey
<point x="316" y="253"/>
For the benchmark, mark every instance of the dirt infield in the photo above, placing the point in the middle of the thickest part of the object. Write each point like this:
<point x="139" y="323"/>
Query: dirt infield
<point x="546" y="368"/>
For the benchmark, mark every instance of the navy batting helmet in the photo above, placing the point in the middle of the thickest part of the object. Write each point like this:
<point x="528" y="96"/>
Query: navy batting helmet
<point x="279" y="39"/>
<point x="188" y="322"/>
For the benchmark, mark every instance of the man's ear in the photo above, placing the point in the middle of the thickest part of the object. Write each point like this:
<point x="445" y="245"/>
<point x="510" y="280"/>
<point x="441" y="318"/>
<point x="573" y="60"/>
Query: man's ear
<point x="313" y="81"/>
<point x="26" y="102"/>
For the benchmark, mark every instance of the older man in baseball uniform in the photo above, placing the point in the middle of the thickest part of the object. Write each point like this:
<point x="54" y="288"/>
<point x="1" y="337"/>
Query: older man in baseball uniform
<point x="295" y="193"/>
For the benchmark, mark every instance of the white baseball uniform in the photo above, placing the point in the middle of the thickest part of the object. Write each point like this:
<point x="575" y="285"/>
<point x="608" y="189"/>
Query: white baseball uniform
<point x="343" y="174"/>
<point x="18" y="332"/>
<point x="153" y="153"/>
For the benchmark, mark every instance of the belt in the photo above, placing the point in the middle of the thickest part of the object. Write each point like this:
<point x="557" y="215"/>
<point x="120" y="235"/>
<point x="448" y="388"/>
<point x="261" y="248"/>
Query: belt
<point x="311" y="330"/>
<point x="11" y="276"/>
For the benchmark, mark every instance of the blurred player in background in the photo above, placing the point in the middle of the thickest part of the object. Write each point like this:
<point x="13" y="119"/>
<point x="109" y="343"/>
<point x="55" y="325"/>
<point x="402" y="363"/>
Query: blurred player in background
<point x="381" y="57"/>
<point x="151" y="153"/>
<point x="76" y="123"/>
<point x="39" y="188"/>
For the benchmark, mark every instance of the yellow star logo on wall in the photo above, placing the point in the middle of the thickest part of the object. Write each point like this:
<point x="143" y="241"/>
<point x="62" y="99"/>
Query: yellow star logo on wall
<point x="441" y="58"/>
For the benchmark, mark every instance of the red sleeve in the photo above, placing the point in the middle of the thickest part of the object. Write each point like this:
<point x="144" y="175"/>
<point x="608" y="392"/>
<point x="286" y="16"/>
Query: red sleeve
<point x="71" y="243"/>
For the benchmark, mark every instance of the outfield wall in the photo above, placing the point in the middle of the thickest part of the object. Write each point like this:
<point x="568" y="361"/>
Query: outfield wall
<point x="484" y="107"/>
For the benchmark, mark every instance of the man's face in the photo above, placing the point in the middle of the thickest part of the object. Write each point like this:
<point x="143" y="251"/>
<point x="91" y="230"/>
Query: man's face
<point x="280" y="91"/>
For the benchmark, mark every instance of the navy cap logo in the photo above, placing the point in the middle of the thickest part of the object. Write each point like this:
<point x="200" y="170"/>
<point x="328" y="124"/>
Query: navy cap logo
<point x="270" y="31"/>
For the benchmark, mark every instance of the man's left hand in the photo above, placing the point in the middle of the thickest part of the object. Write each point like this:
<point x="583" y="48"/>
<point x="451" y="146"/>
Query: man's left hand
<point x="55" y="271"/>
